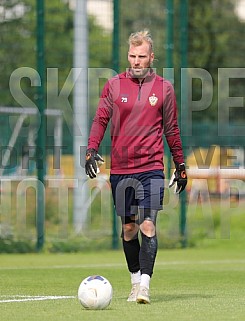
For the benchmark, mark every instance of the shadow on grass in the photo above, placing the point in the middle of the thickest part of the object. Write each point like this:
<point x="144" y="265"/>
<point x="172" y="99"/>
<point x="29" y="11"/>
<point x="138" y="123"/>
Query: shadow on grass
<point x="181" y="297"/>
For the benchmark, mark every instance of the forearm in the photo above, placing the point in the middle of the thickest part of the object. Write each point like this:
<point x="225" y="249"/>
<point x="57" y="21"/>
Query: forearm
<point x="96" y="134"/>
<point x="175" y="145"/>
<point x="171" y="128"/>
<point x="101" y="119"/>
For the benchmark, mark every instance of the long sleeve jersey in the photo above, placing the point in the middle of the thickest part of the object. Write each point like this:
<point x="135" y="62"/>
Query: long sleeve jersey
<point x="141" y="112"/>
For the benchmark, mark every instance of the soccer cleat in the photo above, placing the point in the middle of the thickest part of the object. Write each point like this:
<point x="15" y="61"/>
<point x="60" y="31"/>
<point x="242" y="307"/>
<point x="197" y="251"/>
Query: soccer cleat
<point x="143" y="295"/>
<point x="134" y="291"/>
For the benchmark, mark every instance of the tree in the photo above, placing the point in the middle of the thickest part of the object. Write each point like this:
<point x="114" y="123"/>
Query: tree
<point x="18" y="43"/>
<point x="214" y="40"/>
<point x="19" y="49"/>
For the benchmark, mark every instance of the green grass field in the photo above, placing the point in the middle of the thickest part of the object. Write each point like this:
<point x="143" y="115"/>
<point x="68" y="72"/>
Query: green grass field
<point x="204" y="282"/>
<point x="191" y="284"/>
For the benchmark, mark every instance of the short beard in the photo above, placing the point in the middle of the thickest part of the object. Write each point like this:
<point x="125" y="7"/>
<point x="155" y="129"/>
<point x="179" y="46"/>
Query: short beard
<point x="141" y="74"/>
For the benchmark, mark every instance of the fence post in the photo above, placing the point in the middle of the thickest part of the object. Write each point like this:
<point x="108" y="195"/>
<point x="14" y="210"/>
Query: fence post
<point x="184" y="107"/>
<point x="41" y="140"/>
<point x="169" y="61"/>
<point x="116" y="67"/>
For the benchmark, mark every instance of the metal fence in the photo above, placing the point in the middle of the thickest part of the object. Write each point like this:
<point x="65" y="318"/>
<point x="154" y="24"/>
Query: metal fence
<point x="214" y="35"/>
<point x="211" y="50"/>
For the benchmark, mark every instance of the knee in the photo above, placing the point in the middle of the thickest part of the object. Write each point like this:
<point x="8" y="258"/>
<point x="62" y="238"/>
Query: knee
<point x="148" y="228"/>
<point x="129" y="231"/>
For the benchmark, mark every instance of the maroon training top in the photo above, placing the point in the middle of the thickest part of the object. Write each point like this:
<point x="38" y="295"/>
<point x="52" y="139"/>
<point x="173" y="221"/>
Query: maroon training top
<point x="140" y="113"/>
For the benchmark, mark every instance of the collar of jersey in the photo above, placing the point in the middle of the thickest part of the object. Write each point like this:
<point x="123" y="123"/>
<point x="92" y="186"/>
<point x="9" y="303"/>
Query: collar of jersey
<point x="148" y="77"/>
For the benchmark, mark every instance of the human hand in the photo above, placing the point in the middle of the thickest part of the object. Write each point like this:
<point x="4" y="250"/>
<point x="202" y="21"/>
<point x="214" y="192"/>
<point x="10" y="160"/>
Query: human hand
<point x="93" y="160"/>
<point x="179" y="178"/>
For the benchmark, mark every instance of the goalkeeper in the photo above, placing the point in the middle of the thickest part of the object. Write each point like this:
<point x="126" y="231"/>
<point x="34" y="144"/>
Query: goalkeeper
<point x="141" y="106"/>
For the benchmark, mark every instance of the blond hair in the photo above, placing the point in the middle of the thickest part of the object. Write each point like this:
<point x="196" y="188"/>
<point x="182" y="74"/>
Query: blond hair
<point x="137" y="38"/>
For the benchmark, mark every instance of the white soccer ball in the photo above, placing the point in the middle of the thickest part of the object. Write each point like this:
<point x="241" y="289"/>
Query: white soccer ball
<point x="95" y="292"/>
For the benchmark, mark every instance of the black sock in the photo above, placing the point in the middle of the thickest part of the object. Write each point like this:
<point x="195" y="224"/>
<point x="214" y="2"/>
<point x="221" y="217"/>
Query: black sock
<point x="148" y="254"/>
<point x="131" y="250"/>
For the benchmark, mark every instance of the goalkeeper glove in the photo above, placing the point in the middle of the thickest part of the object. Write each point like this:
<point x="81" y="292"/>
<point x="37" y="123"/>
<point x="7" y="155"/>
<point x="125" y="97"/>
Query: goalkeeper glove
<point x="93" y="161"/>
<point x="179" y="178"/>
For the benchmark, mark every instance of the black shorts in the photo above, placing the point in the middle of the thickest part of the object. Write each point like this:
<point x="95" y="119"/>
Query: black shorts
<point x="133" y="191"/>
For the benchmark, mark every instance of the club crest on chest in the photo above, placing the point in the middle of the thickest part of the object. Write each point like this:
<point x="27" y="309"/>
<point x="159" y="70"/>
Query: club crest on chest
<point x="153" y="100"/>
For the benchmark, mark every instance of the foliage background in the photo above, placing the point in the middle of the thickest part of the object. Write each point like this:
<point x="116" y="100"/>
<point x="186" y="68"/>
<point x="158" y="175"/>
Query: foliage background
<point x="214" y="30"/>
<point x="215" y="40"/>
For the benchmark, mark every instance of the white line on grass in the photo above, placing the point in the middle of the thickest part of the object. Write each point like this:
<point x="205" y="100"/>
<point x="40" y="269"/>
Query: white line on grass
<point x="25" y="298"/>
<point x="119" y="265"/>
